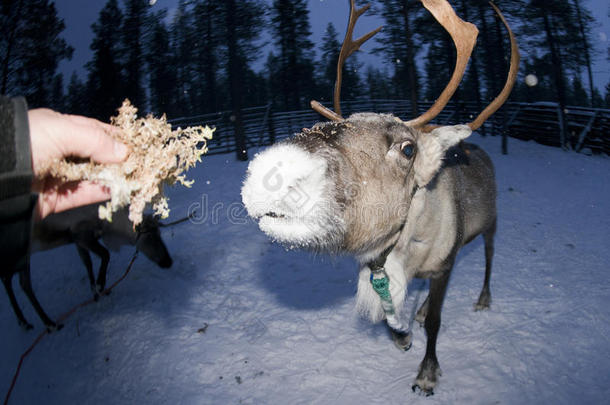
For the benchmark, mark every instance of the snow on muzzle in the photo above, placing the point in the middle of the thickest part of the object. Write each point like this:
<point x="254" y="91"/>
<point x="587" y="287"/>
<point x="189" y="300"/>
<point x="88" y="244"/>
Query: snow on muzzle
<point x="287" y="189"/>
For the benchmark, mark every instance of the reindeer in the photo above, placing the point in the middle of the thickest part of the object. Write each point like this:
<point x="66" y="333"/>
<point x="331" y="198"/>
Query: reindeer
<point x="403" y="197"/>
<point x="83" y="227"/>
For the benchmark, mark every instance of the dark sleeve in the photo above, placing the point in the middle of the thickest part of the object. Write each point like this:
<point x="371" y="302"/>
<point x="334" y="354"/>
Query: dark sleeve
<point x="16" y="198"/>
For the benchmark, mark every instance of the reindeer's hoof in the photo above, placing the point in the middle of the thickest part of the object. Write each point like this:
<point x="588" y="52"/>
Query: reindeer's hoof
<point x="402" y="340"/>
<point x="100" y="290"/>
<point x="26" y="326"/>
<point x="421" y="319"/>
<point x="429" y="371"/>
<point x="422" y="392"/>
<point x="54" y="327"/>
<point x="483" y="302"/>
<point x="421" y="314"/>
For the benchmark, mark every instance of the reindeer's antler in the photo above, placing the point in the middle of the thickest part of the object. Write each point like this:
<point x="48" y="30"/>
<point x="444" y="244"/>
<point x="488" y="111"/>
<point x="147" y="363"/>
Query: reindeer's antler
<point x="508" y="86"/>
<point x="510" y="81"/>
<point x="349" y="47"/>
<point x="464" y="35"/>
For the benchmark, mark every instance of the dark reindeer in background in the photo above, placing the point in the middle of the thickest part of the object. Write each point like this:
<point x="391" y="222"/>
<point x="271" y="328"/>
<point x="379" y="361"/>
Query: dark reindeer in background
<point x="84" y="228"/>
<point x="403" y="197"/>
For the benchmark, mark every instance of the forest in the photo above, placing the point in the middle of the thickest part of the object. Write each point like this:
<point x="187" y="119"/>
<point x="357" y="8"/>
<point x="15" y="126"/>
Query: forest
<point x="201" y="58"/>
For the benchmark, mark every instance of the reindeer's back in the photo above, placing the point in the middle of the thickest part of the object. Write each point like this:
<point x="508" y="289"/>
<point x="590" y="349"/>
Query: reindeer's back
<point x="59" y="229"/>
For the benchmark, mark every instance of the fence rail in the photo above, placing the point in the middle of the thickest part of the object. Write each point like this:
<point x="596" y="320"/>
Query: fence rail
<point x="588" y="129"/>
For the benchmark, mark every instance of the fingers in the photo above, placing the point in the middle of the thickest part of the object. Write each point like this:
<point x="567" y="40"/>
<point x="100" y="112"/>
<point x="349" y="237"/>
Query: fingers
<point x="90" y="138"/>
<point x="55" y="136"/>
<point x="69" y="195"/>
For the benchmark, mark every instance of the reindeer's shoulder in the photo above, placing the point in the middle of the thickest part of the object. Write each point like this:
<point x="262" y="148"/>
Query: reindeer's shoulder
<point x="466" y="154"/>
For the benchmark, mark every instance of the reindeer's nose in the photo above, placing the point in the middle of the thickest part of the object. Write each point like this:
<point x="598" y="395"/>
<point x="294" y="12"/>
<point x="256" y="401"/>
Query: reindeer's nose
<point x="285" y="180"/>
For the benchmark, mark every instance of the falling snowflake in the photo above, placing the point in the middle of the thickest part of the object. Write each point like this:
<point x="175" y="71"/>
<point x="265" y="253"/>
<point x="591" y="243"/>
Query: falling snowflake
<point x="531" y="80"/>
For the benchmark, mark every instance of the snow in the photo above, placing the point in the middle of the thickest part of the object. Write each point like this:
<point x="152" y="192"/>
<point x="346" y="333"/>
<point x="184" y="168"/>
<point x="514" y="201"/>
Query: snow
<point x="281" y="325"/>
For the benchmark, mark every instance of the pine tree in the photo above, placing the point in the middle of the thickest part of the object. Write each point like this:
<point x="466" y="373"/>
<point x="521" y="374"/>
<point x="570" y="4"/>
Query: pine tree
<point x="378" y="84"/>
<point x="206" y="53"/>
<point x="134" y="30"/>
<point x="597" y="99"/>
<point x="542" y="90"/>
<point x="291" y="32"/>
<point x="607" y="96"/>
<point x="551" y="27"/>
<point x="584" y="20"/>
<point x="105" y="82"/>
<point x="30" y="49"/>
<point x="577" y="94"/>
<point x="57" y="100"/>
<point x="255" y="88"/>
<point x="471" y="87"/>
<point x="486" y="50"/>
<point x="397" y="40"/>
<point x="161" y="68"/>
<point x="489" y="63"/>
<point x="243" y="23"/>
<point x="182" y="38"/>
<point x="351" y="88"/>
<point x="77" y="99"/>
<point x="440" y="58"/>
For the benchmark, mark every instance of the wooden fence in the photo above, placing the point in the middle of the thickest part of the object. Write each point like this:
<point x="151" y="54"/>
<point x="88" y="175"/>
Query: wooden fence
<point x="588" y="129"/>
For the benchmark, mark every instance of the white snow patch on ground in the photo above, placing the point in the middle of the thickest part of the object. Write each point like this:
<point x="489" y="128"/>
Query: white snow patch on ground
<point x="281" y="324"/>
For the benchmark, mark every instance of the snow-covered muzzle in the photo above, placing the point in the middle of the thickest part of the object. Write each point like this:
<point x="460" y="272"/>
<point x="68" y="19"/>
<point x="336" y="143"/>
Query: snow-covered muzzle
<point x="289" y="191"/>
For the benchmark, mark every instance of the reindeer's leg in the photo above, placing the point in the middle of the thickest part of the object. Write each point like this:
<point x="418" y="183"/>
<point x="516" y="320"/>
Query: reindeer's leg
<point x="420" y="316"/>
<point x="485" y="296"/>
<point x="26" y="284"/>
<point x="87" y="240"/>
<point x="8" y="285"/>
<point x="402" y="340"/>
<point x="429" y="369"/>
<point x="86" y="258"/>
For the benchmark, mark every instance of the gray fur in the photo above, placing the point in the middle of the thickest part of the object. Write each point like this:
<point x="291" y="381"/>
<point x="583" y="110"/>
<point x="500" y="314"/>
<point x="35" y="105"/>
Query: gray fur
<point x="429" y="205"/>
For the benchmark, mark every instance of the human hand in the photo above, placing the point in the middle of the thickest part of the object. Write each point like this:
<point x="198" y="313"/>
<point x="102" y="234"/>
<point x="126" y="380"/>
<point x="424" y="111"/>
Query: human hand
<point x="55" y="136"/>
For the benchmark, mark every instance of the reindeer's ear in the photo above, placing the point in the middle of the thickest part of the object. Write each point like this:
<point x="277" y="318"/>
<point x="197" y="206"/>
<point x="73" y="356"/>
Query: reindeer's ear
<point x="431" y="149"/>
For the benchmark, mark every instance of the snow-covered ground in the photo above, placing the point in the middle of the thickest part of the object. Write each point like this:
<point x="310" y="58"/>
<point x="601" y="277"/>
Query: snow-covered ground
<point x="281" y="328"/>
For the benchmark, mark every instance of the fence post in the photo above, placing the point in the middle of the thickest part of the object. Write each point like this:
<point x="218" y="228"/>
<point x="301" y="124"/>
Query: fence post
<point x="241" y="147"/>
<point x="513" y="116"/>
<point x="271" y="127"/>
<point x="562" y="133"/>
<point x="584" y="132"/>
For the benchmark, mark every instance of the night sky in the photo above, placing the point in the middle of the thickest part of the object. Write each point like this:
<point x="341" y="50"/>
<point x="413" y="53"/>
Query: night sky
<point x="78" y="16"/>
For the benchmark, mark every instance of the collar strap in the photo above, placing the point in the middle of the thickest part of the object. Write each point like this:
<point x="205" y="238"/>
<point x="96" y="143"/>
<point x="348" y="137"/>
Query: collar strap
<point x="379" y="263"/>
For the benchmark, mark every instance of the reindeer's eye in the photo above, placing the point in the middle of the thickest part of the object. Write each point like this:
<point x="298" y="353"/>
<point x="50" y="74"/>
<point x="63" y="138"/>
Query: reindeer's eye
<point x="407" y="149"/>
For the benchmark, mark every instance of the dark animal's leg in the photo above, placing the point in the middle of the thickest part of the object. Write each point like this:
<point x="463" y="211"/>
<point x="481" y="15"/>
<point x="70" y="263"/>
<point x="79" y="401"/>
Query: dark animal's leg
<point x="26" y="284"/>
<point x="8" y="285"/>
<point x="402" y="340"/>
<point x="420" y="316"/>
<point x="86" y="258"/>
<point x="485" y="296"/>
<point x="89" y="242"/>
<point x="429" y="369"/>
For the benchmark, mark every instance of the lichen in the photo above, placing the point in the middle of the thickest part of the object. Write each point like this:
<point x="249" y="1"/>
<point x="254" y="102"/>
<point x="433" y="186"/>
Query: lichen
<point x="158" y="155"/>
